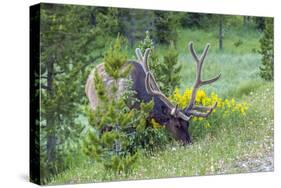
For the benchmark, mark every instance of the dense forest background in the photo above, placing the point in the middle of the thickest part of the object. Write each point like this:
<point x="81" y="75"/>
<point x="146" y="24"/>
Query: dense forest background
<point x="74" y="39"/>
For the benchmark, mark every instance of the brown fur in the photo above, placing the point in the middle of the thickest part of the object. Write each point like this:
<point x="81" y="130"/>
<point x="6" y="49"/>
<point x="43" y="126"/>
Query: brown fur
<point x="108" y="82"/>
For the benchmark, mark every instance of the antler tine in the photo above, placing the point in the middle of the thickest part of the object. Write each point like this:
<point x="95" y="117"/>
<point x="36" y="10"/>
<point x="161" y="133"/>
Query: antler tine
<point x="153" y="83"/>
<point x="205" y="52"/>
<point x="205" y="82"/>
<point x="203" y="114"/>
<point x="139" y="54"/>
<point x="146" y="53"/>
<point x="147" y="85"/>
<point x="193" y="52"/>
<point x="206" y="108"/>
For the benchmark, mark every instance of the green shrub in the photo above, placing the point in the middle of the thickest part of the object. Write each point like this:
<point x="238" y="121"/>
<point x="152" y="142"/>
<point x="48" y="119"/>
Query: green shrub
<point x="152" y="138"/>
<point x="111" y="139"/>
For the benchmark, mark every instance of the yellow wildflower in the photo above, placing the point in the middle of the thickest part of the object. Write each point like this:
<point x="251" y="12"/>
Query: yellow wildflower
<point x="226" y="106"/>
<point x="154" y="124"/>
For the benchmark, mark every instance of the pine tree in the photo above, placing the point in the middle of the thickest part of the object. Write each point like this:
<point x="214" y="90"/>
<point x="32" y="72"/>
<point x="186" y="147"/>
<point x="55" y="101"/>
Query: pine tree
<point x="166" y="71"/>
<point x="266" y="42"/>
<point x="134" y="22"/>
<point x="153" y="59"/>
<point x="259" y="23"/>
<point x="115" y="60"/>
<point x="189" y="20"/>
<point x="171" y="70"/>
<point x="165" y="26"/>
<point x="114" y="124"/>
<point x="106" y="18"/>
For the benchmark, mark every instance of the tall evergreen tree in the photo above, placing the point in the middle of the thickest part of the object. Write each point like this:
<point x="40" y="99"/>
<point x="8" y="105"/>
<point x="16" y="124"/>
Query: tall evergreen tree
<point x="167" y="70"/>
<point x="69" y="43"/>
<point x="259" y="23"/>
<point x="106" y="18"/>
<point x="134" y="22"/>
<point x="165" y="26"/>
<point x="171" y="70"/>
<point x="266" y="42"/>
<point x="189" y="20"/>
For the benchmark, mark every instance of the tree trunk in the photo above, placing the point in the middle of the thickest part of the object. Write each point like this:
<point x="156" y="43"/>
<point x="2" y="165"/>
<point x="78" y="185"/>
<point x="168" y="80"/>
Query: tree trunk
<point x="133" y="29"/>
<point x="220" y="33"/>
<point x="51" y="139"/>
<point x="246" y="20"/>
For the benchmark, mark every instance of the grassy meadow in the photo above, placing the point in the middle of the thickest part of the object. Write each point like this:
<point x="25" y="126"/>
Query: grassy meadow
<point x="237" y="145"/>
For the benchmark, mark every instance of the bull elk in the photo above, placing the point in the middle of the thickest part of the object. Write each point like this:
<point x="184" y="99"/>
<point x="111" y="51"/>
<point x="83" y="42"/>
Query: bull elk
<point x="166" y="113"/>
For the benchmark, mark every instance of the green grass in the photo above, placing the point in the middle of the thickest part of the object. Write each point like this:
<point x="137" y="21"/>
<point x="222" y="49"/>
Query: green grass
<point x="235" y="70"/>
<point x="235" y="145"/>
<point x="249" y="38"/>
<point x="225" y="148"/>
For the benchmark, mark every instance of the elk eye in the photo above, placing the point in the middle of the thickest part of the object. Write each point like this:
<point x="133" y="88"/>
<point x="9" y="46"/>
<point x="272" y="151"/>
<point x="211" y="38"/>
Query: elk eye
<point x="165" y="110"/>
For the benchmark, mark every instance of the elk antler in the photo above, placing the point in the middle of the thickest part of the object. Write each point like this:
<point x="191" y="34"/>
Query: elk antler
<point x="152" y="87"/>
<point x="195" y="110"/>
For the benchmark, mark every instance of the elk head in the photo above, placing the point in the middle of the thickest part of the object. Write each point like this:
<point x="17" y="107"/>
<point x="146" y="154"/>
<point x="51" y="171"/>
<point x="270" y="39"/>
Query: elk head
<point x="177" y="121"/>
